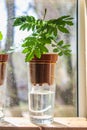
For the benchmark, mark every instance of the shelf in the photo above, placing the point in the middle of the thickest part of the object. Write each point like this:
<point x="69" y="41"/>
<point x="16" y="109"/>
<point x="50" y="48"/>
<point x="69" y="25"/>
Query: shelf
<point x="18" y="123"/>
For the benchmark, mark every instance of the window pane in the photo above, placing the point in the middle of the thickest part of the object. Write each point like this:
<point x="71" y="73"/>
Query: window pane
<point x="66" y="74"/>
<point x="66" y="70"/>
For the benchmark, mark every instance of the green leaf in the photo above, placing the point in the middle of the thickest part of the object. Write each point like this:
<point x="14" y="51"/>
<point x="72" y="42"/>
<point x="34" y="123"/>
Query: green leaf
<point x="29" y="57"/>
<point x="55" y="32"/>
<point x="60" y="53"/>
<point x="60" y="43"/>
<point x="62" y="29"/>
<point x="20" y="20"/>
<point x="53" y="45"/>
<point x="25" y="50"/>
<point x="55" y="50"/>
<point x="69" y="23"/>
<point x="37" y="53"/>
<point x="1" y="36"/>
<point x="30" y="19"/>
<point x="67" y="52"/>
<point x="66" y="46"/>
<point x="65" y="17"/>
<point x="25" y="26"/>
<point x="24" y="44"/>
<point x="45" y="40"/>
<point x="33" y="27"/>
<point x="30" y="54"/>
<point x="43" y="49"/>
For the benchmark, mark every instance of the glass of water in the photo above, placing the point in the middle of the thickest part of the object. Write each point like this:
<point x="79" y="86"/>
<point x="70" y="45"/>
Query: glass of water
<point x="41" y="94"/>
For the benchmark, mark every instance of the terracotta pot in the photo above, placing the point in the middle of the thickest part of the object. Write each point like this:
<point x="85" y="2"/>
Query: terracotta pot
<point x="3" y="61"/>
<point x="42" y="70"/>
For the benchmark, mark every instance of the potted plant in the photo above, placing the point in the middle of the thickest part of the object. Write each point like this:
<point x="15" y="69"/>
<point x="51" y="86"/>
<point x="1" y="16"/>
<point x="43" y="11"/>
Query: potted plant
<point x="44" y="33"/>
<point x="3" y="62"/>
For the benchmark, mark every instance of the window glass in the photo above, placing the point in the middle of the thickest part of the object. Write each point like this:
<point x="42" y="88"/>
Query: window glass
<point x="66" y="69"/>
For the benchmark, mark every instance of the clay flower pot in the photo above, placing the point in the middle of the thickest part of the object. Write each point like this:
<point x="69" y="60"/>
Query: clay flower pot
<point x="42" y="88"/>
<point x="43" y="70"/>
<point x="3" y="62"/>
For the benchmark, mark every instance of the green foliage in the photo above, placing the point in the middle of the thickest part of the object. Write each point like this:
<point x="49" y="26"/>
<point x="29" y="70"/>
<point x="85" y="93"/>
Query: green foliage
<point x="1" y="36"/>
<point x="44" y="32"/>
<point x="4" y="51"/>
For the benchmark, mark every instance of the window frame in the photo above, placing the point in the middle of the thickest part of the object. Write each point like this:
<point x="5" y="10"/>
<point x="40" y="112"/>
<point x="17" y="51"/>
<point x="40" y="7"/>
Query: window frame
<point x="82" y="88"/>
<point x="81" y="59"/>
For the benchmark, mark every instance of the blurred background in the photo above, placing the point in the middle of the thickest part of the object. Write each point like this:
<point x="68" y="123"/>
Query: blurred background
<point x="66" y="70"/>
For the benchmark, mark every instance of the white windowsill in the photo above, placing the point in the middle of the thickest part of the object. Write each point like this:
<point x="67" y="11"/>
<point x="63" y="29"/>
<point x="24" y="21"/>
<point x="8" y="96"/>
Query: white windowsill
<point x="16" y="123"/>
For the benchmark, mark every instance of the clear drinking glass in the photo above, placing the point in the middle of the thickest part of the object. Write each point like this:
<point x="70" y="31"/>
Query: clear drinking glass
<point x="42" y="89"/>
<point x="3" y="62"/>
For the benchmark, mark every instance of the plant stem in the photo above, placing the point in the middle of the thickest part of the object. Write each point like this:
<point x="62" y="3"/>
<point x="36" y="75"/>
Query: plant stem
<point x="45" y="13"/>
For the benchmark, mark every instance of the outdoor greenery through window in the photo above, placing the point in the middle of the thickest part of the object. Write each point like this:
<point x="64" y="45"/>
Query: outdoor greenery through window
<point x="66" y="70"/>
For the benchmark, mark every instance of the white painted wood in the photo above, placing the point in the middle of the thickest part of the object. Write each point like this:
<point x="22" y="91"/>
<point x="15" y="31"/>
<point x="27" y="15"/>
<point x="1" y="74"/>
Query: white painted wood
<point x="82" y="57"/>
